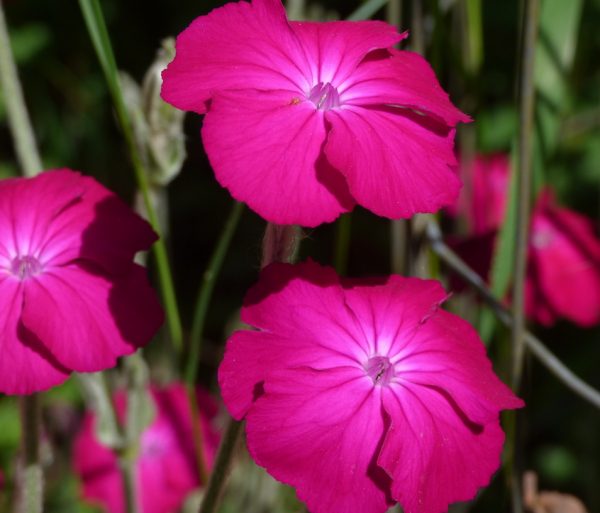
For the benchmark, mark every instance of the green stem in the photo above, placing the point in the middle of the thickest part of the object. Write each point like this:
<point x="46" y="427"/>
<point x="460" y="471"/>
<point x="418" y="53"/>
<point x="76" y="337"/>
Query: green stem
<point x="128" y="476"/>
<point x="94" y="19"/>
<point x="524" y="171"/>
<point x="32" y="494"/>
<point x="220" y="471"/>
<point x="205" y="292"/>
<point x="399" y="228"/>
<point x="18" y="118"/>
<point x="342" y="243"/>
<point x="207" y="286"/>
<point x="393" y="12"/>
<point x="523" y="200"/>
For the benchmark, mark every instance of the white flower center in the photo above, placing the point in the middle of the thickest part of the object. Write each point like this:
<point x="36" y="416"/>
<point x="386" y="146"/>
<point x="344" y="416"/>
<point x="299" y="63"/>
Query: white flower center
<point x="324" y="96"/>
<point x="25" y="267"/>
<point x="380" y="370"/>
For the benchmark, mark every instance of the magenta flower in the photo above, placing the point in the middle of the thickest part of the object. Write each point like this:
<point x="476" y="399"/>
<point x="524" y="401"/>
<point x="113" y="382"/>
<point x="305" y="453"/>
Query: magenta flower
<point x="166" y="468"/>
<point x="304" y="120"/>
<point x="563" y="275"/>
<point x="360" y="393"/>
<point x="73" y="300"/>
<point x="563" y="270"/>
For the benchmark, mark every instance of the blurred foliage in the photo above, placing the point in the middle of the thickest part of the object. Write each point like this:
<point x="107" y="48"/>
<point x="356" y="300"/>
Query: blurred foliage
<point x="76" y="128"/>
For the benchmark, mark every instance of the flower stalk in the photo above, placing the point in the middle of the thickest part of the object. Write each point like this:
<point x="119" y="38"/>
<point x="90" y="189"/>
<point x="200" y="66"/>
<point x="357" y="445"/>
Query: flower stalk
<point x="31" y="495"/>
<point x="524" y="172"/>
<point x="94" y="19"/>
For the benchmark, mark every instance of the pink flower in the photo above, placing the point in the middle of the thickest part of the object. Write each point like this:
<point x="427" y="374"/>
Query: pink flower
<point x="563" y="275"/>
<point x="166" y="467"/>
<point x="360" y="393"/>
<point x="304" y="120"/>
<point x="73" y="300"/>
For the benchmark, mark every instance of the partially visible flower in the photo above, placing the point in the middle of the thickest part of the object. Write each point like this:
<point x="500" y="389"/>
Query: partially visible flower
<point x="360" y="393"/>
<point x="166" y="470"/>
<point x="73" y="300"/>
<point x="563" y="274"/>
<point x="304" y="120"/>
<point x="563" y="269"/>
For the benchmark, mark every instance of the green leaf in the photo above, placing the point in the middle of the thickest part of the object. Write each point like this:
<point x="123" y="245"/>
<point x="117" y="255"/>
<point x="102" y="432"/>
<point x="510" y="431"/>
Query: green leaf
<point x="554" y="56"/>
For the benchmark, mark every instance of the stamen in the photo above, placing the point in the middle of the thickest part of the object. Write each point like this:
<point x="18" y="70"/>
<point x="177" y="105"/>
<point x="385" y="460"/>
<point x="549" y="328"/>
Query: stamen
<point x="324" y="96"/>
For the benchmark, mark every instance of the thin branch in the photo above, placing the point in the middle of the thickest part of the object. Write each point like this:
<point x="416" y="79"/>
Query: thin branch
<point x="537" y="348"/>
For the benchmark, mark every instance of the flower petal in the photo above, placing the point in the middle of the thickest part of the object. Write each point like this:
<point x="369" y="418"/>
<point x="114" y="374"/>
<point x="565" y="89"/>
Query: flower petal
<point x="319" y="431"/>
<point x="446" y="354"/>
<point x="305" y="322"/>
<point x="30" y="206"/>
<point x="25" y="366"/>
<point x="98" y="227"/>
<point x="238" y="46"/>
<point x="433" y="454"/>
<point x="304" y="302"/>
<point x="335" y="48"/>
<point x="266" y="149"/>
<point x="400" y="78"/>
<point x="85" y="320"/>
<point x="388" y="309"/>
<point x="397" y="163"/>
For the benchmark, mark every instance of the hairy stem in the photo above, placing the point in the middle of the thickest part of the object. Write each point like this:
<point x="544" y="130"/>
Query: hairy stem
<point x="32" y="493"/>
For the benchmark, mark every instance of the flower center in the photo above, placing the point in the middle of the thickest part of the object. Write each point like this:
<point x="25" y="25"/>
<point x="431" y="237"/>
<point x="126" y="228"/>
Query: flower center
<point x="324" y="96"/>
<point x="25" y="267"/>
<point x="380" y="370"/>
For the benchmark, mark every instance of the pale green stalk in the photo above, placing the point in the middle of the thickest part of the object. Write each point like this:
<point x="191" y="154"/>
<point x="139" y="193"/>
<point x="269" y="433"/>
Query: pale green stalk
<point x="94" y="19"/>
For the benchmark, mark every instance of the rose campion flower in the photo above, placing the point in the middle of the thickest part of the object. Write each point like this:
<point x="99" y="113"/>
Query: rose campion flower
<point x="364" y="392"/>
<point x="73" y="300"/>
<point x="304" y="120"/>
<point x="563" y="274"/>
<point x="166" y="468"/>
<point x="563" y="269"/>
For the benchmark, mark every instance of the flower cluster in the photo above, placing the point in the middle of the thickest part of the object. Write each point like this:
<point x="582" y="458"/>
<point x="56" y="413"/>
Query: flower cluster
<point x="73" y="298"/>
<point x="166" y="469"/>
<point x="358" y="393"/>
